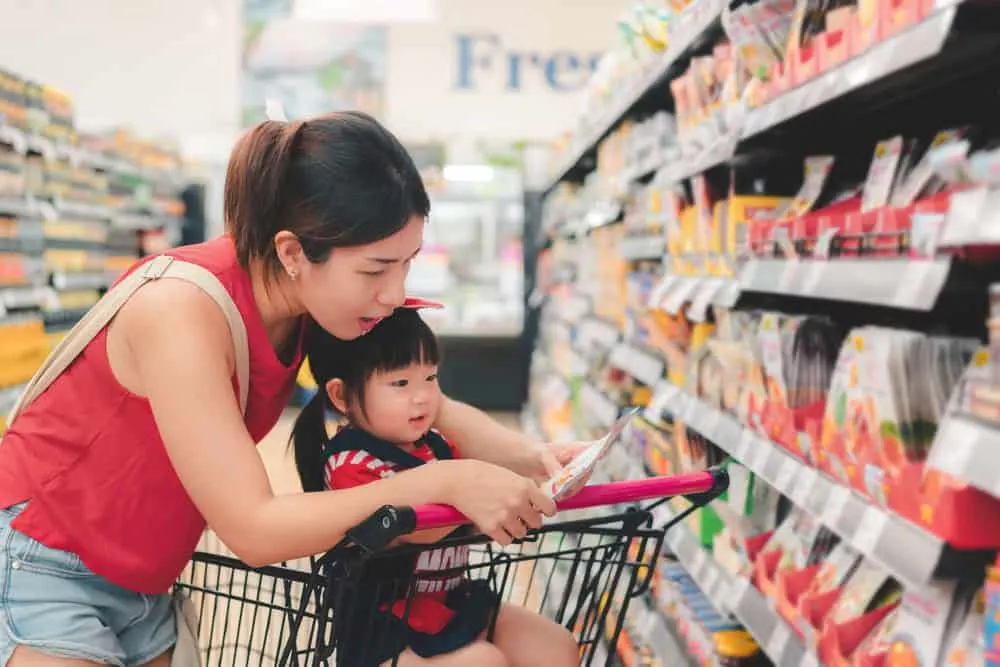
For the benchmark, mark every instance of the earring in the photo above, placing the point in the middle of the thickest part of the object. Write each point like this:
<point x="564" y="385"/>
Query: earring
<point x="293" y="275"/>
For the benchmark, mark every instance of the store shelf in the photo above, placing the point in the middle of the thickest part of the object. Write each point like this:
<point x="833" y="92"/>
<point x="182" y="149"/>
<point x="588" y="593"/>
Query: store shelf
<point x="732" y="594"/>
<point x="573" y="309"/>
<point x="673" y="291"/>
<point x="777" y="640"/>
<point x="711" y="578"/>
<point x="909" y="552"/>
<point x="20" y="298"/>
<point x="853" y="189"/>
<point x="594" y="336"/>
<point x="643" y="247"/>
<point x="909" y="284"/>
<point x="910" y="46"/>
<point x="719" y="151"/>
<point x="686" y="33"/>
<point x="968" y="448"/>
<point x="664" y="643"/>
<point x="644" y="366"/>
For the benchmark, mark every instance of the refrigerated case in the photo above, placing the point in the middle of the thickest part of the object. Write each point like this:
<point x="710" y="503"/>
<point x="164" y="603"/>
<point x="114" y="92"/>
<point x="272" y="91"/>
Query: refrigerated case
<point x="473" y="262"/>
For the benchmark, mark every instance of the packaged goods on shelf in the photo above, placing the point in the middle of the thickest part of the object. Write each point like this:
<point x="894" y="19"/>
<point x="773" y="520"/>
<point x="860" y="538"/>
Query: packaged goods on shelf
<point x="70" y="208"/>
<point x="806" y="255"/>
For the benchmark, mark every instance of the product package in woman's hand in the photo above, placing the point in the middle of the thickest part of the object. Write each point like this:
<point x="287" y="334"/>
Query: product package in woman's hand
<point x="583" y="464"/>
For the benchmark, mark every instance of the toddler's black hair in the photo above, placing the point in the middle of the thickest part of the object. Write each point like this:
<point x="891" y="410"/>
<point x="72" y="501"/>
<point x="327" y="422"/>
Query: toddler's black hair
<point x="399" y="340"/>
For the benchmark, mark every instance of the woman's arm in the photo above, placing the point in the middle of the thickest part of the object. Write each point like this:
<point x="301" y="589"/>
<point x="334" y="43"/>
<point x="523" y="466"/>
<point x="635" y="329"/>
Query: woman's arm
<point x="478" y="436"/>
<point x="181" y="350"/>
<point x="481" y="437"/>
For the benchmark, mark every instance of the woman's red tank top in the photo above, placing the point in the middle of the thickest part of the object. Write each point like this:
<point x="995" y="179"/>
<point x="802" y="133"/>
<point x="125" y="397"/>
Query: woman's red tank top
<point x="89" y="460"/>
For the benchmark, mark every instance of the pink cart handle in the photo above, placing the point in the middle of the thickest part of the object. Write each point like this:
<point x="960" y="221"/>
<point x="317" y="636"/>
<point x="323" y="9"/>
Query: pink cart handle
<point x="594" y="495"/>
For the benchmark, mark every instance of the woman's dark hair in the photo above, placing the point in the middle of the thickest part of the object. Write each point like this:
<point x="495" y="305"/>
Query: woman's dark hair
<point x="399" y="340"/>
<point x="337" y="180"/>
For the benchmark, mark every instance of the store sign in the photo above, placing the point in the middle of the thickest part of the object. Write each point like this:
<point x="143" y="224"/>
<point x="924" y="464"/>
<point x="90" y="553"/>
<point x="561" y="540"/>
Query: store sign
<point x="482" y="57"/>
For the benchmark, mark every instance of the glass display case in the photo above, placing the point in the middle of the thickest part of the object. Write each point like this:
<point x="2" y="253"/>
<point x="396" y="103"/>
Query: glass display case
<point x="472" y="259"/>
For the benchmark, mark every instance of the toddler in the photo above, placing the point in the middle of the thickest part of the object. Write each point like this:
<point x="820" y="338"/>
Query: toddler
<point x="385" y="385"/>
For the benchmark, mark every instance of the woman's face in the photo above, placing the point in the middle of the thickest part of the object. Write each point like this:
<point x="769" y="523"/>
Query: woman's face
<point x="355" y="287"/>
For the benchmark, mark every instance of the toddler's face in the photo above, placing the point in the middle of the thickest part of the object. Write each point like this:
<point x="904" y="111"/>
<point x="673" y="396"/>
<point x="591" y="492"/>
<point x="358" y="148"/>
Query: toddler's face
<point x="402" y="405"/>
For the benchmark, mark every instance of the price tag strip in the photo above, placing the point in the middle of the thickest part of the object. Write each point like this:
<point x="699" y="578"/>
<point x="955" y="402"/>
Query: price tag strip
<point x="703" y="298"/>
<point x="680" y="294"/>
<point x="835" y="506"/>
<point x="906" y="284"/>
<point x="969" y="450"/>
<point x="786" y="475"/>
<point x="663" y="395"/>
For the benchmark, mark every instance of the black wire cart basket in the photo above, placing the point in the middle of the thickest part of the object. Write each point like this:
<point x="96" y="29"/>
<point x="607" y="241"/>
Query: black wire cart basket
<point x="352" y="606"/>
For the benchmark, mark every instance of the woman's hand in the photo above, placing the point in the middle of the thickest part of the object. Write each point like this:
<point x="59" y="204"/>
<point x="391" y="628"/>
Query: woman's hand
<point x="501" y="503"/>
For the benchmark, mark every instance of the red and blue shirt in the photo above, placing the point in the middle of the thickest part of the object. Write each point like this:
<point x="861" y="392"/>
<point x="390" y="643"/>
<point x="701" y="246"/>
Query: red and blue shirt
<point x="355" y="457"/>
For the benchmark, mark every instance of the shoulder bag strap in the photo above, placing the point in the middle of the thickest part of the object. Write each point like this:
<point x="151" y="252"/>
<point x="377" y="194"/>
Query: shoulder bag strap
<point x="104" y="310"/>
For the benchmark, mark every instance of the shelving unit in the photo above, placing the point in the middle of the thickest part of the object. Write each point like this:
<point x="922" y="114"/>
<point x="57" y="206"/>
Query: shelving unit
<point x="786" y="254"/>
<point x="75" y="211"/>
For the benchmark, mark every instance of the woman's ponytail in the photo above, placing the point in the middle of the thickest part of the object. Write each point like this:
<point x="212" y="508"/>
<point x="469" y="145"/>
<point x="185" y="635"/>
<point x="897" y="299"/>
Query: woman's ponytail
<point x="256" y="191"/>
<point x="308" y="440"/>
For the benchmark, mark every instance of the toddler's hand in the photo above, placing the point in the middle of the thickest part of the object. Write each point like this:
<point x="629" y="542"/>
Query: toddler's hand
<point x="501" y="503"/>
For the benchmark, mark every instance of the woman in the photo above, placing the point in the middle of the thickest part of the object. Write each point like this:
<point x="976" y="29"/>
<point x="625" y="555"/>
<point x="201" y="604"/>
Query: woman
<point x="108" y="479"/>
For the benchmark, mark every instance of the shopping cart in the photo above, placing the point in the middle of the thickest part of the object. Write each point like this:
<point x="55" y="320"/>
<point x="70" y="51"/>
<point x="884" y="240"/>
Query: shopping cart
<point x="581" y="572"/>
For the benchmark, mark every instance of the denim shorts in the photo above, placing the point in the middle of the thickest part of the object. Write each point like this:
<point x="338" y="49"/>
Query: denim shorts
<point x="51" y="602"/>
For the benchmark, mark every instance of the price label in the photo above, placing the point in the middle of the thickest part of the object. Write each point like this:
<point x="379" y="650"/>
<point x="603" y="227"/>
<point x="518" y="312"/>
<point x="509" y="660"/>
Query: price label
<point x="804" y="485"/>
<point x="728" y="295"/>
<point x="777" y="643"/>
<point x="662" y="397"/>
<point x="738" y="589"/>
<point x="647" y="626"/>
<point x="676" y="540"/>
<point x="786" y="474"/>
<point x="823" y="246"/>
<point x="743" y="446"/>
<point x="710" y="419"/>
<point x="810" y="280"/>
<point x="646" y="368"/>
<point x="758" y="455"/>
<point x="662" y="516"/>
<point x="659" y="292"/>
<point x="914" y="276"/>
<point x="710" y="581"/>
<point x="681" y="295"/>
<point x="790" y="275"/>
<point x="619" y="357"/>
<point x="954" y="444"/>
<point x="697" y="562"/>
<point x="835" y="505"/>
<point x="703" y="299"/>
<point x="873" y="524"/>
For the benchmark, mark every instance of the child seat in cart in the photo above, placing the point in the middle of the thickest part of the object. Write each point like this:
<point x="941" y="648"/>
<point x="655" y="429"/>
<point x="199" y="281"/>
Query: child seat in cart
<point x="345" y="608"/>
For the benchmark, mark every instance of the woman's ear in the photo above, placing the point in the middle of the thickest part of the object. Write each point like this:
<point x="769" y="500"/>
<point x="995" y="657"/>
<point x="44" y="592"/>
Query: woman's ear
<point x="336" y="391"/>
<point x="290" y="253"/>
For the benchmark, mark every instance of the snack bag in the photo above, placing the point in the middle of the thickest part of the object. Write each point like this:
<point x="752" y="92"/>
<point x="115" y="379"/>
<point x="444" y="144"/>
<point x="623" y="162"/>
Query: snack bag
<point x="585" y="461"/>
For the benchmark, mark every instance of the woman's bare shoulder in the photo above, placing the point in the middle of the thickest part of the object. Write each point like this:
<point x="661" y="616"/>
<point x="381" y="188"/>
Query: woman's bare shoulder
<point x="173" y="305"/>
<point x="166" y="319"/>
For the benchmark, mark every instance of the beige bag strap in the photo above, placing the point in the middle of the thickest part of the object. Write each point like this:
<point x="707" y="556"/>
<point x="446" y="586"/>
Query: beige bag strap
<point x="104" y="310"/>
